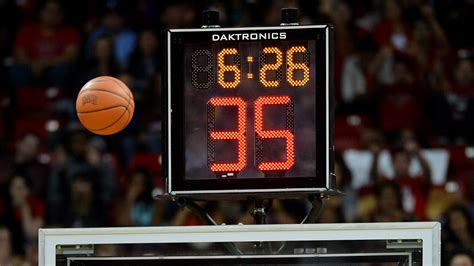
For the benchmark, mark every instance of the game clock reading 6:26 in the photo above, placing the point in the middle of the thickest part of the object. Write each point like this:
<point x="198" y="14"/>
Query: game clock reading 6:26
<point x="248" y="109"/>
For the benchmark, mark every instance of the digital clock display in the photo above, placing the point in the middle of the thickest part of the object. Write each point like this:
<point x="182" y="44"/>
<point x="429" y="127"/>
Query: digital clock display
<point x="248" y="109"/>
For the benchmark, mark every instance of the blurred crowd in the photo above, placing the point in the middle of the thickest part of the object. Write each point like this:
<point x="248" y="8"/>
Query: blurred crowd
<point x="404" y="100"/>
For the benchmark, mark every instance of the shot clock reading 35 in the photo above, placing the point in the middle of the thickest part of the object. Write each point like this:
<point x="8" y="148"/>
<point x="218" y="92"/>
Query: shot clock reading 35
<point x="248" y="107"/>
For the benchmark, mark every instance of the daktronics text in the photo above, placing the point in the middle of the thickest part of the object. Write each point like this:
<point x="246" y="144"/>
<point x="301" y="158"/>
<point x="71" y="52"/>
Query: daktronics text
<point x="249" y="36"/>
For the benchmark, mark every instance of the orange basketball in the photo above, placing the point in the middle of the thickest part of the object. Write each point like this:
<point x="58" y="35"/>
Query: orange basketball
<point x="105" y="105"/>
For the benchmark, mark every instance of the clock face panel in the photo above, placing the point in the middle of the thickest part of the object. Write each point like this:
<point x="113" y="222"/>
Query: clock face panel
<point x="248" y="109"/>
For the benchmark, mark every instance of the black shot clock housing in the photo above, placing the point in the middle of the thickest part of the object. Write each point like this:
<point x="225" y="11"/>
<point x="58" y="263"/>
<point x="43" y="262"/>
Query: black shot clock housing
<point x="248" y="111"/>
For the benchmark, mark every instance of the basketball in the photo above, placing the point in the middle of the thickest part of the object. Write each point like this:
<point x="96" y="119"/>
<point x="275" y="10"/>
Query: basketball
<point x="105" y="105"/>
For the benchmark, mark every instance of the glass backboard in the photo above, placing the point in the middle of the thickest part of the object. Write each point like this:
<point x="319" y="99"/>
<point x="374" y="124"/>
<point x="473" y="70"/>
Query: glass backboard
<point x="416" y="243"/>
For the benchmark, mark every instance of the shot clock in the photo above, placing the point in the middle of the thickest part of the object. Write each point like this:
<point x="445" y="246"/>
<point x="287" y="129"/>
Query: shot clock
<point x="248" y="111"/>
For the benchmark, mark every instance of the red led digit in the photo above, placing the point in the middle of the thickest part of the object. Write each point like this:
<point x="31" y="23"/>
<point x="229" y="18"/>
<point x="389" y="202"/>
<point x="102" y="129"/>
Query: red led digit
<point x="239" y="134"/>
<point x="262" y="134"/>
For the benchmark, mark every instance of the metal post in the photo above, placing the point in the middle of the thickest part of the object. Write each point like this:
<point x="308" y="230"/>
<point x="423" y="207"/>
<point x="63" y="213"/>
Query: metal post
<point x="259" y="213"/>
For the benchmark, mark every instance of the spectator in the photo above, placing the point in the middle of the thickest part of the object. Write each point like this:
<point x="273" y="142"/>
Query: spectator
<point x="139" y="208"/>
<point x="144" y="130"/>
<point x="144" y="63"/>
<point x="461" y="258"/>
<point x="5" y="247"/>
<point x="458" y="233"/>
<point x="102" y="62"/>
<point x="389" y="205"/>
<point x="332" y="214"/>
<point x="414" y="188"/>
<point x="393" y="31"/>
<point x="385" y="62"/>
<point x="454" y="106"/>
<point x="356" y="81"/>
<point x="28" y="165"/>
<point x="32" y="253"/>
<point x="24" y="214"/>
<point x="84" y="207"/>
<point x="6" y="254"/>
<point x="124" y="39"/>
<point x="81" y="154"/>
<point x="339" y="14"/>
<point x="430" y="39"/>
<point x="45" y="50"/>
<point x="346" y="204"/>
<point x="400" y="105"/>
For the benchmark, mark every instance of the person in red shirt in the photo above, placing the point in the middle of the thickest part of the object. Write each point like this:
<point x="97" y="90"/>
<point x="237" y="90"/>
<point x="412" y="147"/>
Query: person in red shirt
<point x="392" y="31"/>
<point x="414" y="189"/>
<point x="45" y="50"/>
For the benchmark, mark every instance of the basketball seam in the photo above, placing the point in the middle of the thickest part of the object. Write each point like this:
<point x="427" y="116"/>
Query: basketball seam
<point x="113" y="123"/>
<point x="125" y="91"/>
<point x="92" y="82"/>
<point x="120" y="85"/>
<point x="95" y="89"/>
<point x="126" y="107"/>
<point x="92" y="111"/>
<point x="113" y="80"/>
<point x="129" y="116"/>
<point x="108" y="79"/>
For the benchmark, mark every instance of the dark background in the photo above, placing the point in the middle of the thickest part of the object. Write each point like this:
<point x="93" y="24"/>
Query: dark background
<point x="403" y="83"/>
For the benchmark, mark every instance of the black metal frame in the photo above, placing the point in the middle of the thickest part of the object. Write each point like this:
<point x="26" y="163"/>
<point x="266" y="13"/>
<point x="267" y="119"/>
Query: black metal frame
<point x="237" y="188"/>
